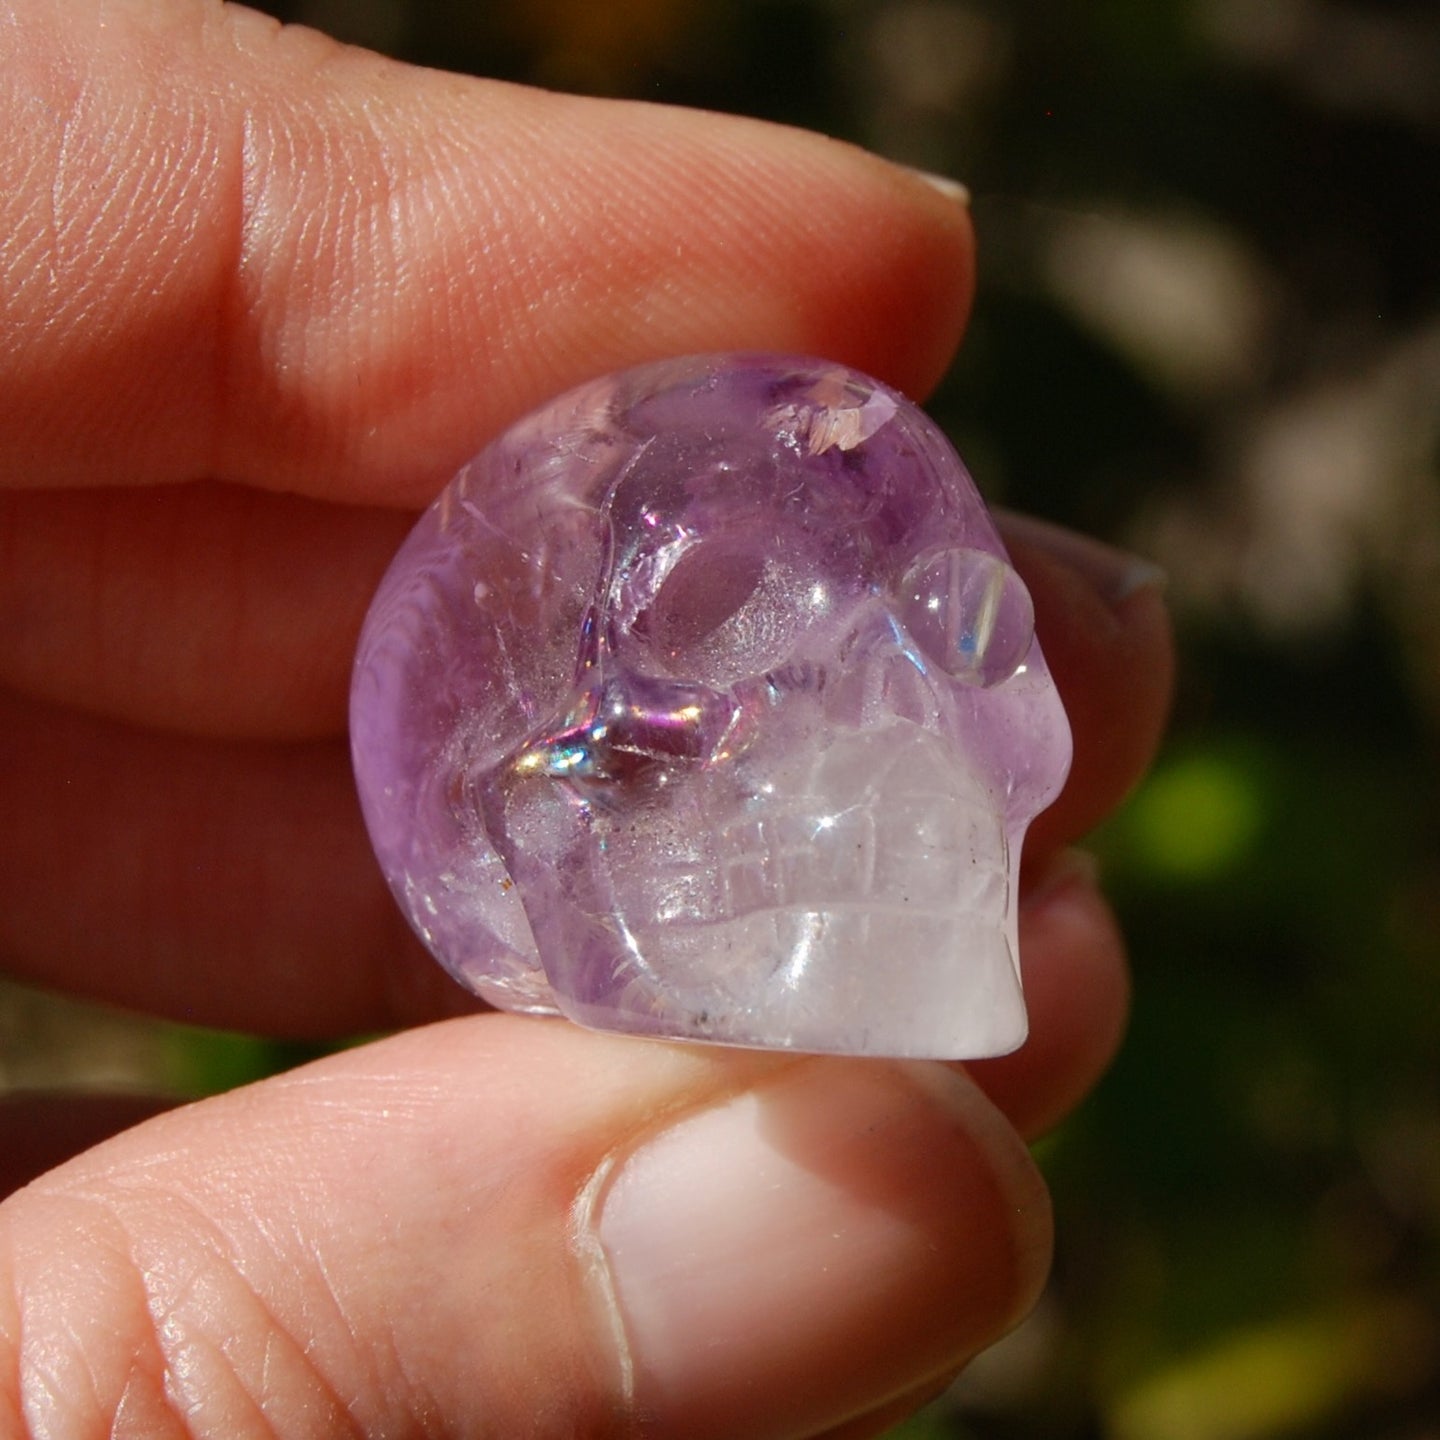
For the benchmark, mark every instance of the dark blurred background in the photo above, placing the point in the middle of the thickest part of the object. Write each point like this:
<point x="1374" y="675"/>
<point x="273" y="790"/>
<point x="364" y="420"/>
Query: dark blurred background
<point x="1209" y="329"/>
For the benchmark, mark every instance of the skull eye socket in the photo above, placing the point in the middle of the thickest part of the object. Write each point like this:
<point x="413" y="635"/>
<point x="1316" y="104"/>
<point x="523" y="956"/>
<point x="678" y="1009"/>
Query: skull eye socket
<point x="723" y="611"/>
<point x="708" y="587"/>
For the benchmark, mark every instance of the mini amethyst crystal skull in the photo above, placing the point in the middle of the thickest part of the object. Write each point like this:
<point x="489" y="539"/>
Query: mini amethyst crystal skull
<point x="705" y="704"/>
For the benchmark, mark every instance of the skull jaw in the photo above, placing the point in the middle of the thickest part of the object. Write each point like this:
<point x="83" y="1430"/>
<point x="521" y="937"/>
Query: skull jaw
<point x="855" y="898"/>
<point x="924" y="987"/>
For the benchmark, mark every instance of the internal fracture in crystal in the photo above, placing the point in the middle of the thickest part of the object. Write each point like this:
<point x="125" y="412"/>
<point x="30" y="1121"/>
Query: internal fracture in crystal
<point x="704" y="703"/>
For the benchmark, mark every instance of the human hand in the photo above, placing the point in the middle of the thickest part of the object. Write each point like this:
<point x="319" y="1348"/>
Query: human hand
<point x="259" y="296"/>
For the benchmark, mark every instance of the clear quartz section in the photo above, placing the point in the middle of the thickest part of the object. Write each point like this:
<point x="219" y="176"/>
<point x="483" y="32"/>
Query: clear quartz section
<point x="704" y="703"/>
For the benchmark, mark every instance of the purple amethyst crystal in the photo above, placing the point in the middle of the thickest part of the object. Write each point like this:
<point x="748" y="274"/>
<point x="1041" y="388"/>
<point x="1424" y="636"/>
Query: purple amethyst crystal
<point x="704" y="703"/>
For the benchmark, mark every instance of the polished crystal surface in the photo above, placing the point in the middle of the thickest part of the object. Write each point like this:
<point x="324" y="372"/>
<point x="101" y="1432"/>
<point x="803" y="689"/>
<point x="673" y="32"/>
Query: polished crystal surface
<point x="704" y="703"/>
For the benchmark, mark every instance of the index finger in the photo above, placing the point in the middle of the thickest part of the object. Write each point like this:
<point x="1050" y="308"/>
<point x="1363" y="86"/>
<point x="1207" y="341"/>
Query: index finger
<point x="244" y="252"/>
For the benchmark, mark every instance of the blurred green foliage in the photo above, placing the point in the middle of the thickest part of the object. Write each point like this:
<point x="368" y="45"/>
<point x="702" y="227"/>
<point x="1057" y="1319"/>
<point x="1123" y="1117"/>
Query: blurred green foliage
<point x="1208" y="327"/>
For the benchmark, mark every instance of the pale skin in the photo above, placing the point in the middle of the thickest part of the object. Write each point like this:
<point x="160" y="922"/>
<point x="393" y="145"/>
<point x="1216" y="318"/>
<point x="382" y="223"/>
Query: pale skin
<point x="259" y="295"/>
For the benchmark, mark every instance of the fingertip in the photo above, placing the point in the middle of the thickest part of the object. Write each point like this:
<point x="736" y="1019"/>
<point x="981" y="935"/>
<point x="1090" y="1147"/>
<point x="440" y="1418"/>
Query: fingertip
<point x="916" y="250"/>
<point x="1101" y="617"/>
<point x="881" y="1421"/>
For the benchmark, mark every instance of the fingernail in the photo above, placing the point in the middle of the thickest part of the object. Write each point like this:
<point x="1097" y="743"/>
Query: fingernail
<point x="809" y="1249"/>
<point x="1113" y="574"/>
<point x="952" y="190"/>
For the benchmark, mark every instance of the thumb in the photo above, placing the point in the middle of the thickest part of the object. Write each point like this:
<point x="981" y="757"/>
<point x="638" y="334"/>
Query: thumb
<point x="504" y="1227"/>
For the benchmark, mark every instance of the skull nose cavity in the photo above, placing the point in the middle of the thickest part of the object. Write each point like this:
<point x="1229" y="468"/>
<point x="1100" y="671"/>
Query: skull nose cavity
<point x="970" y="613"/>
<point x="627" y="723"/>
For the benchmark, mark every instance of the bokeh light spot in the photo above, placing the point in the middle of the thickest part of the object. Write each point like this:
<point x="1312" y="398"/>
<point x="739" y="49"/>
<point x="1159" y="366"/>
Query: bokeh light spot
<point x="1198" y="816"/>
